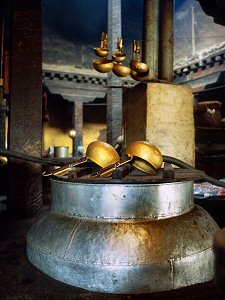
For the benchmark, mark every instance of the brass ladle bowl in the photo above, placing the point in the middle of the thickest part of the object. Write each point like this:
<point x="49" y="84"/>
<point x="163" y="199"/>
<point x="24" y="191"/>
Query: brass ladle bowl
<point x="101" y="52"/>
<point x="143" y="155"/>
<point x="120" y="70"/>
<point x="103" y="65"/>
<point x="101" y="153"/>
<point x="139" y="76"/>
<point x="139" y="67"/>
<point x="119" y="57"/>
<point x="3" y="160"/>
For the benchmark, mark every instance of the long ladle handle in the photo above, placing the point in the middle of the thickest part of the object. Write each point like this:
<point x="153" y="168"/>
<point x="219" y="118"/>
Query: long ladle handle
<point x="102" y="40"/>
<point x="63" y="170"/>
<point x="109" y="168"/>
<point x="134" y="50"/>
<point x="138" y="51"/>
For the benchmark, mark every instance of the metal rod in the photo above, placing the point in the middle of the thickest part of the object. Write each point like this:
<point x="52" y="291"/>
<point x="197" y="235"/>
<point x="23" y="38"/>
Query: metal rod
<point x="166" y="41"/>
<point x="150" y="36"/>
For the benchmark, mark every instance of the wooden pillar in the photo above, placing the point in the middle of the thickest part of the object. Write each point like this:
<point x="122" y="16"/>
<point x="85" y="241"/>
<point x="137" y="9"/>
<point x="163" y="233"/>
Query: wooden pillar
<point x="2" y="101"/>
<point x="114" y="95"/>
<point x="2" y="118"/>
<point x="166" y="43"/>
<point x="151" y="36"/>
<point x="25" y="119"/>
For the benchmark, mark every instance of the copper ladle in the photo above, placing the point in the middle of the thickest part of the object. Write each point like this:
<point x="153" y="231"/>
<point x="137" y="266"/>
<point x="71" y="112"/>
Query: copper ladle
<point x="144" y="156"/>
<point x="101" y="153"/>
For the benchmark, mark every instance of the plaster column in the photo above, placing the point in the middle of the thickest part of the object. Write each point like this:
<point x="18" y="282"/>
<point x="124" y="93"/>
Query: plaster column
<point x="162" y="114"/>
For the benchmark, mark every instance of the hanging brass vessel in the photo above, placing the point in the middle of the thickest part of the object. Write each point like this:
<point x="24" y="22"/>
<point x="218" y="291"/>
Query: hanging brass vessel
<point x="121" y="70"/>
<point x="103" y="65"/>
<point x="139" y="76"/>
<point x="136" y="65"/>
<point x="139" y="67"/>
<point x="119" y="56"/>
<point x="103" y="50"/>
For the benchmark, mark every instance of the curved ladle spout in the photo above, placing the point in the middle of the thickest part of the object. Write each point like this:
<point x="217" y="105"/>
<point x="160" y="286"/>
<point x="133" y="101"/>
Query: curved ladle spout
<point x="101" y="153"/>
<point x="144" y="156"/>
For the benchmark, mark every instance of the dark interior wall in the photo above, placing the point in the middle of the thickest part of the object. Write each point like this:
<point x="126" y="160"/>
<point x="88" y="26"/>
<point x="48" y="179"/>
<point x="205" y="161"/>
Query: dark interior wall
<point x="60" y="112"/>
<point x="94" y="113"/>
<point x="217" y="94"/>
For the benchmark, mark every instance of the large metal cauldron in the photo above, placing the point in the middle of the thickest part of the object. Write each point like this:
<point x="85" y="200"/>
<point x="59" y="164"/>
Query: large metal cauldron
<point x="130" y="237"/>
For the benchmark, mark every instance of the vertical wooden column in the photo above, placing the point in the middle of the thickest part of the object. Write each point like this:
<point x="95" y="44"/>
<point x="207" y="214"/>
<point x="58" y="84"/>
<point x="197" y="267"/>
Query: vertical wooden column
<point x="114" y="95"/>
<point x="166" y="42"/>
<point x="151" y="36"/>
<point x="2" y="102"/>
<point x="78" y="126"/>
<point x="2" y="118"/>
<point x="25" y="120"/>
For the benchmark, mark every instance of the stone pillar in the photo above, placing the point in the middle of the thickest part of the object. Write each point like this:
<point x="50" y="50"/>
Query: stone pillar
<point x="162" y="114"/>
<point x="78" y="126"/>
<point x="114" y="95"/>
<point x="25" y="122"/>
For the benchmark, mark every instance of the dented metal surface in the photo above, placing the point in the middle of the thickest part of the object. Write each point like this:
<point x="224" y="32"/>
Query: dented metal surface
<point x="130" y="239"/>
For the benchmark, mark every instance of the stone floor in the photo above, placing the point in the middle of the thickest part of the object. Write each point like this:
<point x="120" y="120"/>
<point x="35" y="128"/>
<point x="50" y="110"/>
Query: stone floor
<point x="20" y="280"/>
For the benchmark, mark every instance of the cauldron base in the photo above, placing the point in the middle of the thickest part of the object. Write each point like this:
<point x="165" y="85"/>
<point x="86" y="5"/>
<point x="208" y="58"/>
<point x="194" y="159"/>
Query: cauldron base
<point x="21" y="280"/>
<point x="53" y="247"/>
